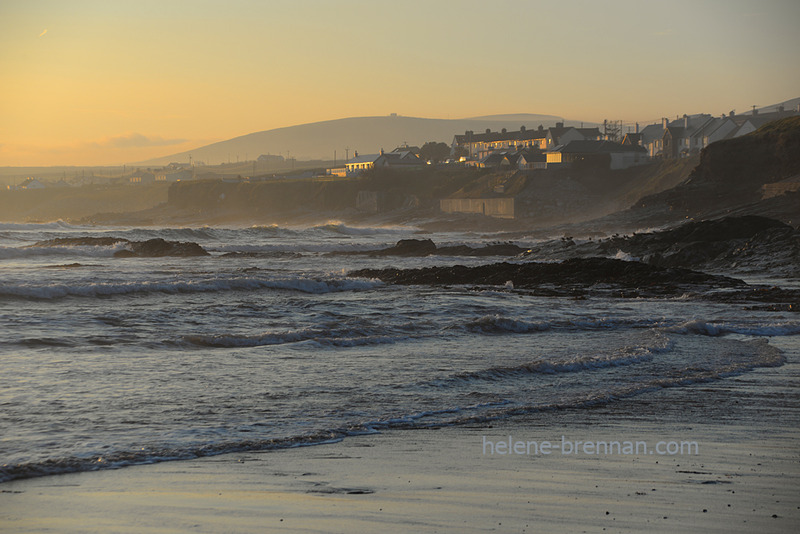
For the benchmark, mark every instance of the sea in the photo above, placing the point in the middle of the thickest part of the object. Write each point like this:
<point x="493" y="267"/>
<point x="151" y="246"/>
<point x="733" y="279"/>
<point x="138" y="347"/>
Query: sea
<point x="107" y="362"/>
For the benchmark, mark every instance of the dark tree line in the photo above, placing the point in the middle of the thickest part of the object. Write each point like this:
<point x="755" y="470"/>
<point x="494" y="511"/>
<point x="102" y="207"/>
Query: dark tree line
<point x="434" y="152"/>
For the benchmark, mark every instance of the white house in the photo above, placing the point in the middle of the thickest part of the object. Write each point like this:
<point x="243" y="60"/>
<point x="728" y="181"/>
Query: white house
<point x="398" y="158"/>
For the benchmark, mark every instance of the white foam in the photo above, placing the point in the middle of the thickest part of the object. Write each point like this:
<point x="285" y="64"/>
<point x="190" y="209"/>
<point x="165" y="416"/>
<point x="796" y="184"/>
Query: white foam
<point x="788" y="328"/>
<point x="305" y="285"/>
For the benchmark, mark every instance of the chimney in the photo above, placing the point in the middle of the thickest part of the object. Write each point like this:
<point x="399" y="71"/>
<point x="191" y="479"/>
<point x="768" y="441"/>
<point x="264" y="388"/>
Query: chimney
<point x="637" y="127"/>
<point x="559" y="125"/>
<point x="664" y="122"/>
<point x="381" y="152"/>
<point x="686" y="121"/>
<point x="355" y="154"/>
<point x="488" y="130"/>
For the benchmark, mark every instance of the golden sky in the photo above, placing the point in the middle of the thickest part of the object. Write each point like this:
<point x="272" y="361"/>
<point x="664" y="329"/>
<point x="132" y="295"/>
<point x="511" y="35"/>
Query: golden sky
<point x="90" y="82"/>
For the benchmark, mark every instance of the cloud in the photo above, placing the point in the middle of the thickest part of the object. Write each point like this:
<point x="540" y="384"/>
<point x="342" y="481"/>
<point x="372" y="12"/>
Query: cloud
<point x="136" y="140"/>
<point x="44" y="32"/>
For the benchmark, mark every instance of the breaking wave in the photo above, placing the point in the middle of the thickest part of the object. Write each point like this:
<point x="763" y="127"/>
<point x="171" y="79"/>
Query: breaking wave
<point x="705" y="328"/>
<point x="303" y="285"/>
<point x="499" y="324"/>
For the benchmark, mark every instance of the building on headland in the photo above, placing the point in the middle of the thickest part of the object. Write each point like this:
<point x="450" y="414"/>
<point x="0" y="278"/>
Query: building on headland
<point x="142" y="177"/>
<point x="503" y="148"/>
<point x="399" y="158"/>
<point x="31" y="183"/>
<point x="688" y="135"/>
<point x="597" y="154"/>
<point x="524" y="159"/>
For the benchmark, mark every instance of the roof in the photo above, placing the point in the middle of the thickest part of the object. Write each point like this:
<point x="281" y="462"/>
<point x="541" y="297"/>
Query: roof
<point x="533" y="155"/>
<point x="675" y="131"/>
<point x="400" y="158"/>
<point x="589" y="132"/>
<point x="632" y="138"/>
<point x="364" y="158"/>
<point x="652" y="132"/>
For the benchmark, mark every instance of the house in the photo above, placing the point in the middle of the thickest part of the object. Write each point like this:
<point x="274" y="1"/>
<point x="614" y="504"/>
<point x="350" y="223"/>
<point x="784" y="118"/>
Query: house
<point x="143" y="177"/>
<point x="359" y="164"/>
<point x="632" y="139"/>
<point x="399" y="158"/>
<point x="499" y="159"/>
<point x="531" y="160"/>
<point x="29" y="183"/>
<point x="561" y="135"/>
<point x="600" y="154"/>
<point x="171" y="177"/>
<point x="478" y="146"/>
<point x="404" y="157"/>
<point x="690" y="134"/>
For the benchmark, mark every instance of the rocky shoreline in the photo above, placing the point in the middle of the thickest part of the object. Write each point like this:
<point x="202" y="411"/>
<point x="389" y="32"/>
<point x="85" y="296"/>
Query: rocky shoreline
<point x="694" y="260"/>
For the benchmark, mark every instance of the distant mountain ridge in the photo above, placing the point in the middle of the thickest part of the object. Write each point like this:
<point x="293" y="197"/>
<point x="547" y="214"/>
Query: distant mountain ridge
<point x="319" y="140"/>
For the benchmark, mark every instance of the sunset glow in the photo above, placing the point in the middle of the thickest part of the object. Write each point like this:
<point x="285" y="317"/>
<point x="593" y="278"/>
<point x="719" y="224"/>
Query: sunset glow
<point x="91" y="82"/>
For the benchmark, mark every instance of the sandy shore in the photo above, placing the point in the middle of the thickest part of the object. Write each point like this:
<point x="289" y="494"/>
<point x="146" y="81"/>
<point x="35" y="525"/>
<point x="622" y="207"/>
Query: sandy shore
<point x="745" y="476"/>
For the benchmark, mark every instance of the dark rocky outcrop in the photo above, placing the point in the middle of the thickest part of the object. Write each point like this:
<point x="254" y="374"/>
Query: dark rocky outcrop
<point x="156" y="248"/>
<point x="748" y="244"/>
<point x="571" y="276"/>
<point x="426" y="247"/>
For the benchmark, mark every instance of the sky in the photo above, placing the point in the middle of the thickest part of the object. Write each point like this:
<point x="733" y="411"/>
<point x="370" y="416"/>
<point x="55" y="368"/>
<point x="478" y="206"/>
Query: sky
<point x="99" y="82"/>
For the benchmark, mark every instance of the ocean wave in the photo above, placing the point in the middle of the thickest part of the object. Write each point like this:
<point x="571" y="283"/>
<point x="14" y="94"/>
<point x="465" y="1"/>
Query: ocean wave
<point x="338" y="227"/>
<point x="114" y="460"/>
<point x="27" y="227"/>
<point x="318" y="337"/>
<point x="758" y="354"/>
<point x="499" y="324"/>
<point x="11" y="253"/>
<point x="303" y="285"/>
<point x="763" y="355"/>
<point x="624" y="256"/>
<point x="714" y="329"/>
<point x="625" y="356"/>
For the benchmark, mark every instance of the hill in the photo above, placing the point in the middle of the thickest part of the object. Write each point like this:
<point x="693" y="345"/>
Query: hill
<point x="319" y="140"/>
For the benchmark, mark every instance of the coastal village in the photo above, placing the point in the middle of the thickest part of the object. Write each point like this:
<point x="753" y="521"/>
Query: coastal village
<point x="515" y="158"/>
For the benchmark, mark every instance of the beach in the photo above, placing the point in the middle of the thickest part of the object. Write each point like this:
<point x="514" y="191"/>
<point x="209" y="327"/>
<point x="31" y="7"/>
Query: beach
<point x="744" y="477"/>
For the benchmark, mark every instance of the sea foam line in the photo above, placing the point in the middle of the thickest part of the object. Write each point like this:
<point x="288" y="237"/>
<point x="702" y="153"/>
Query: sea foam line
<point x="303" y="285"/>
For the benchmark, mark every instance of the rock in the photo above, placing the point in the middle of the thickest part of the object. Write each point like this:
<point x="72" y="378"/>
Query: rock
<point x="426" y="247"/>
<point x="410" y="247"/>
<point x="578" y="273"/>
<point x="156" y="248"/>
